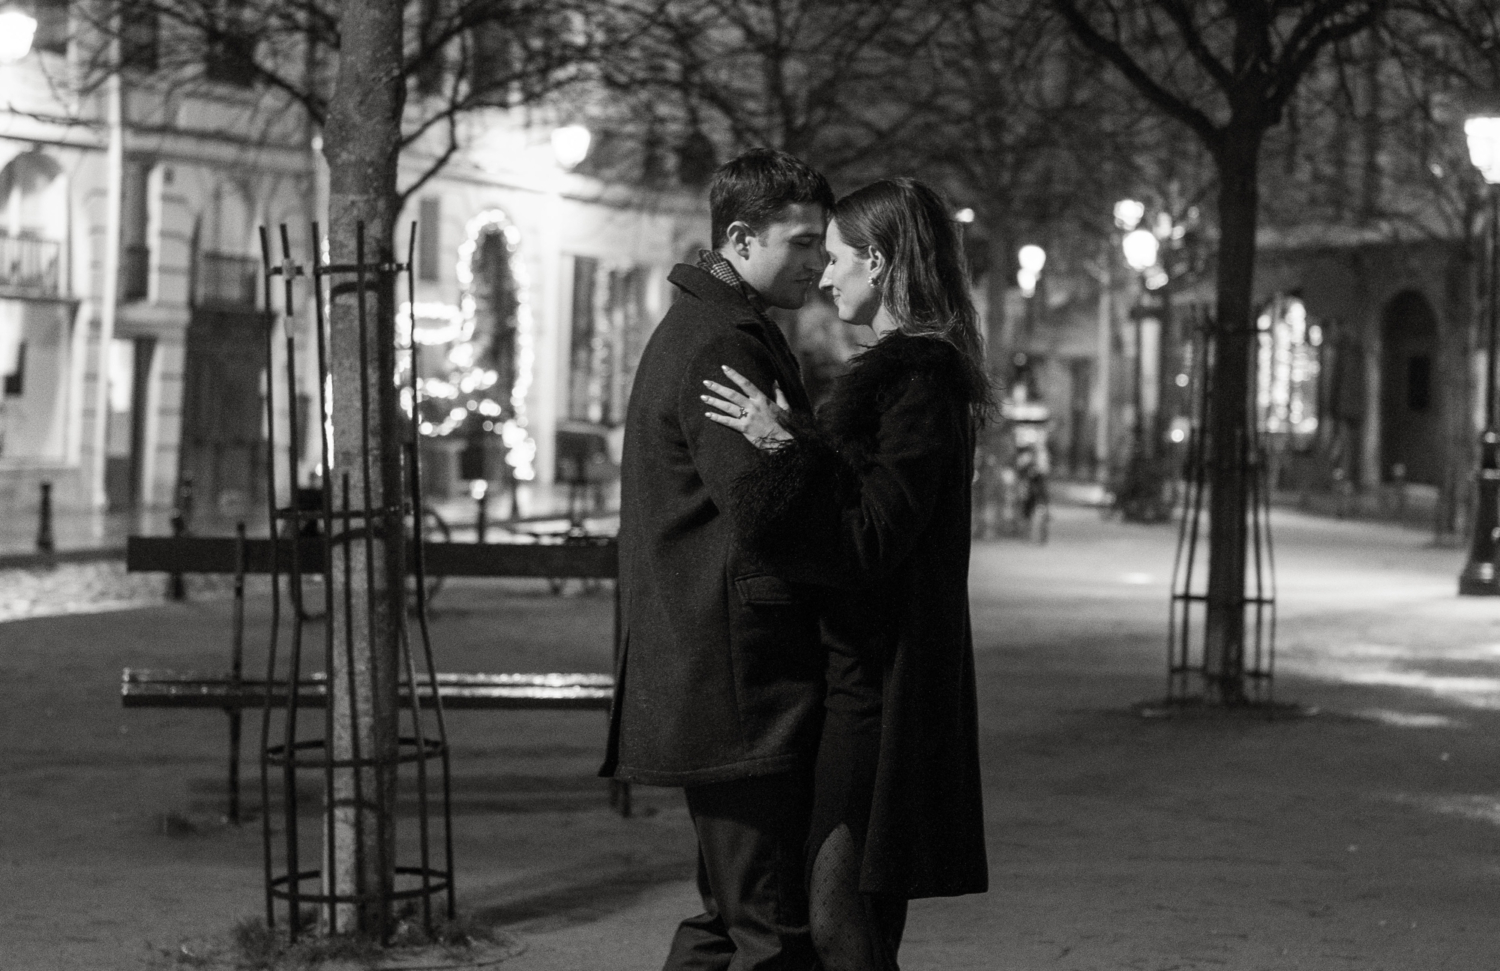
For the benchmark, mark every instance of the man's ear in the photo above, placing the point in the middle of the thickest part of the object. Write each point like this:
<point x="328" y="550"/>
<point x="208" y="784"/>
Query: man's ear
<point x="739" y="235"/>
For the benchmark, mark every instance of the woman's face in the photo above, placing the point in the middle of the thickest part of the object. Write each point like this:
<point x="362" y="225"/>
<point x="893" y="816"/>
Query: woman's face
<point x="846" y="279"/>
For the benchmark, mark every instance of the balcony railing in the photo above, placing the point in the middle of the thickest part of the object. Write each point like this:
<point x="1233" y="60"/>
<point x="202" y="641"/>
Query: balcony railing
<point x="29" y="267"/>
<point x="227" y="281"/>
<point x="135" y="271"/>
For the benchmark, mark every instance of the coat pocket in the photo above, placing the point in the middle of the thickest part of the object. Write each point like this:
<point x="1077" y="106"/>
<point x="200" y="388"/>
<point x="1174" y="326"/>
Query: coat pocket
<point x="765" y="590"/>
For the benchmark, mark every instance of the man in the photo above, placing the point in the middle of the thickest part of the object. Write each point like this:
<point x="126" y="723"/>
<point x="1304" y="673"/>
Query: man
<point x="720" y="682"/>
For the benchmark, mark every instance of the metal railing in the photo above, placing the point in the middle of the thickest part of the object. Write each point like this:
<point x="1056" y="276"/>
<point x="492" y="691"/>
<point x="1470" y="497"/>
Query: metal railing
<point x="29" y="267"/>
<point x="225" y="280"/>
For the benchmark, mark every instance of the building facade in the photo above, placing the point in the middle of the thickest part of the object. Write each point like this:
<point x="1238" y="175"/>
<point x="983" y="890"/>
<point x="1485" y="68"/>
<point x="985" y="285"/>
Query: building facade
<point x="1369" y="371"/>
<point x="134" y="321"/>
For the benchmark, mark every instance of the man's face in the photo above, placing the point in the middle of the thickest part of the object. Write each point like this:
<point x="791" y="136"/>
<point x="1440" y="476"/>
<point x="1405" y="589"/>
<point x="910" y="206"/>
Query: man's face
<point x="785" y="259"/>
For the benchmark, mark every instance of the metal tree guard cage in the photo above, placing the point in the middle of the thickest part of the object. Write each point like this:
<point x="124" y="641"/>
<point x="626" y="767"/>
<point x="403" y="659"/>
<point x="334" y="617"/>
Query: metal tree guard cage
<point x="338" y="524"/>
<point x="1187" y="660"/>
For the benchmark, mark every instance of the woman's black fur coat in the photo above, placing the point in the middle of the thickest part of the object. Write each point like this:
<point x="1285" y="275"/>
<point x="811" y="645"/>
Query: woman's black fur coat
<point x="872" y="503"/>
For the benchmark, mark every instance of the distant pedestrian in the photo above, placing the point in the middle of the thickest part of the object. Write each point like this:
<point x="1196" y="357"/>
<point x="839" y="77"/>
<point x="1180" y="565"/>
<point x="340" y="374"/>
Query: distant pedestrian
<point x="872" y="502"/>
<point x="720" y="681"/>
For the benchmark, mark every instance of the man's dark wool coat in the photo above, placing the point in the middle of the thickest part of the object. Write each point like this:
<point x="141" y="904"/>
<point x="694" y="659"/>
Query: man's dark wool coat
<point x="721" y="672"/>
<point x="873" y="503"/>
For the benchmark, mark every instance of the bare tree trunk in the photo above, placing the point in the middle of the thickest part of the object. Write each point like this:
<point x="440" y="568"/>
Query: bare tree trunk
<point x="1229" y="414"/>
<point x="362" y="148"/>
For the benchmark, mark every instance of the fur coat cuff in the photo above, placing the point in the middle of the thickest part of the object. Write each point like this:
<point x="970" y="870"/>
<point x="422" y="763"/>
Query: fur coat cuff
<point x="789" y="502"/>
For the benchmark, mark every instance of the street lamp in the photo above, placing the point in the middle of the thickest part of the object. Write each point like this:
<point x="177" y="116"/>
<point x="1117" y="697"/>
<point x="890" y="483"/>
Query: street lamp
<point x="570" y="145"/>
<point x="1129" y="213"/>
<point x="1032" y="258"/>
<point x="1478" y="578"/>
<point x="1141" y="248"/>
<point x="17" y="29"/>
<point x="1140" y="496"/>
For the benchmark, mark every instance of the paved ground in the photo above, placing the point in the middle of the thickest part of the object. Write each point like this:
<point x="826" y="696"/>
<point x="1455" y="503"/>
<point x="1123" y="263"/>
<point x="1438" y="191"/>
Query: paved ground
<point x="1361" y="838"/>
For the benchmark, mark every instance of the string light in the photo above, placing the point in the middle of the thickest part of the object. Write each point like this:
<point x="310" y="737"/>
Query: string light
<point x="452" y="396"/>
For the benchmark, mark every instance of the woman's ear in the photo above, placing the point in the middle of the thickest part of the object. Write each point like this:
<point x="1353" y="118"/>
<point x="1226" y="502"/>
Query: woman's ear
<point x="877" y="266"/>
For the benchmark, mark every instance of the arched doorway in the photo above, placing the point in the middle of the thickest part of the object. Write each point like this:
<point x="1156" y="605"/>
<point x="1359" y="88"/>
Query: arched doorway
<point x="1410" y="407"/>
<point x="33" y="223"/>
<point x="497" y="304"/>
<point x="35" y="314"/>
<point x="222" y="437"/>
<point x="477" y="361"/>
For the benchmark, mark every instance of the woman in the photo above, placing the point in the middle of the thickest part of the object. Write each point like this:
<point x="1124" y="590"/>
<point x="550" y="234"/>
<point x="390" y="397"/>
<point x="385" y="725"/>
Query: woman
<point x="872" y="502"/>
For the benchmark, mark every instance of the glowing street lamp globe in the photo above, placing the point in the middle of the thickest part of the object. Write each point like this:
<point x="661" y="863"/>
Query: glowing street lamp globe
<point x="570" y="145"/>
<point x="1141" y="247"/>
<point x="1032" y="258"/>
<point x="17" y="29"/>
<point x="1128" y="213"/>
<point x="1483" y="133"/>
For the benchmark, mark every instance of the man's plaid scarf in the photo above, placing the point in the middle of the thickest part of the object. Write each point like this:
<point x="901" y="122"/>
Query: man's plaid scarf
<point x="720" y="268"/>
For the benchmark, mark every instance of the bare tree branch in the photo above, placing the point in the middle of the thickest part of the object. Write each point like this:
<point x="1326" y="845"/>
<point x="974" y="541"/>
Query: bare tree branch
<point x="1113" y="51"/>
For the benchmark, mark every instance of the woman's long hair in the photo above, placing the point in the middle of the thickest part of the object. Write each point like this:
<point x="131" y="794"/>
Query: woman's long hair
<point x="924" y="287"/>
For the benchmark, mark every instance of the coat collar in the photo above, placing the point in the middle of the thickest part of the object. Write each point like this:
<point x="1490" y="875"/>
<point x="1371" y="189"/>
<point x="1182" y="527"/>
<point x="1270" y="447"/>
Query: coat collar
<point x="727" y="305"/>
<point x="721" y="297"/>
<point x="880" y="373"/>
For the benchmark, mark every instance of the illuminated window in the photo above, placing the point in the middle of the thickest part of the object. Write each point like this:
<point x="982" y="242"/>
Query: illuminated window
<point x="608" y="334"/>
<point x="1288" y="371"/>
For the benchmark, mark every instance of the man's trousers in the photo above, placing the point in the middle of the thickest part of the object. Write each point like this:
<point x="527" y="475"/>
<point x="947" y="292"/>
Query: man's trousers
<point x="751" y="845"/>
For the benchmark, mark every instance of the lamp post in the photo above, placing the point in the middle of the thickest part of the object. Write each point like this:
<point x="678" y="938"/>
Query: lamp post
<point x="17" y="30"/>
<point x="1128" y="214"/>
<point x="1032" y="258"/>
<point x="1140" y="497"/>
<point x="1141" y="248"/>
<point x="1478" y="578"/>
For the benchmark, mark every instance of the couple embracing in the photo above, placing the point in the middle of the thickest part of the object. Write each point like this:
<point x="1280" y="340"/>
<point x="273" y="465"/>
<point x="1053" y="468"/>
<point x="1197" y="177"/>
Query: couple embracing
<point x="797" y="653"/>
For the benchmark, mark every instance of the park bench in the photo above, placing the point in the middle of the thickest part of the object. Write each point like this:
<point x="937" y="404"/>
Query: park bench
<point x="586" y="558"/>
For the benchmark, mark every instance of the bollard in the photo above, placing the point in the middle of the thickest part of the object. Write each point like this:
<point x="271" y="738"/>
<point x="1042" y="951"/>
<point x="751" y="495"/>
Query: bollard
<point x="185" y="499"/>
<point x="176" y="588"/>
<point x="44" y="543"/>
<point x="479" y="489"/>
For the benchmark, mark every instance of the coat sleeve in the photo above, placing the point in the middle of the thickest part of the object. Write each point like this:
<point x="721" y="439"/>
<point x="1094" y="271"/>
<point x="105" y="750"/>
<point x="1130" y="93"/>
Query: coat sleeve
<point x="721" y="455"/>
<point x="819" y="518"/>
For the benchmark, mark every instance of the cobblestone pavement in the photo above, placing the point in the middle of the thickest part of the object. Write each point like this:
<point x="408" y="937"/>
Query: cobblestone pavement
<point x="87" y="587"/>
<point x="1361" y="838"/>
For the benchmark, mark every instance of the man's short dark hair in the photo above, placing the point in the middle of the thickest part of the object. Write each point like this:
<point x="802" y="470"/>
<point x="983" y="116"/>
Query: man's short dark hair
<point x="756" y="187"/>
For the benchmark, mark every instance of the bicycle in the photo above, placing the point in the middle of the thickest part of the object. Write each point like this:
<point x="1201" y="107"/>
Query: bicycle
<point x="1036" y="505"/>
